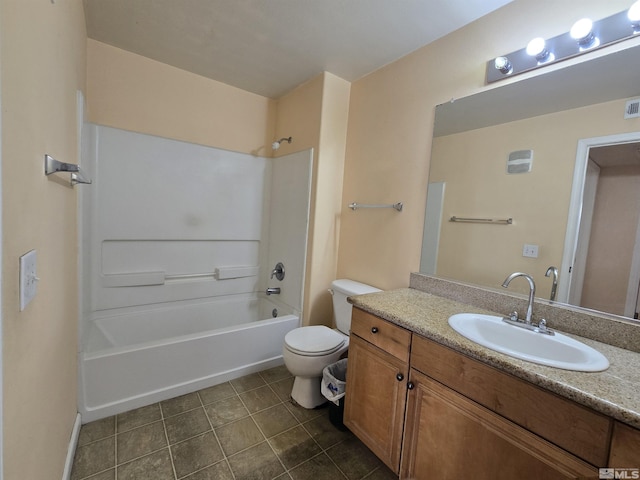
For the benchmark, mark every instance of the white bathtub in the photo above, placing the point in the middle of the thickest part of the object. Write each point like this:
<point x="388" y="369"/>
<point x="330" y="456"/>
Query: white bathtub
<point x="135" y="358"/>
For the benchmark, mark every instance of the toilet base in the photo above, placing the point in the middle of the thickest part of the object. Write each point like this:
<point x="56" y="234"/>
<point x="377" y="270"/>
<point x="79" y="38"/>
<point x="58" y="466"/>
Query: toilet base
<point x="306" y="392"/>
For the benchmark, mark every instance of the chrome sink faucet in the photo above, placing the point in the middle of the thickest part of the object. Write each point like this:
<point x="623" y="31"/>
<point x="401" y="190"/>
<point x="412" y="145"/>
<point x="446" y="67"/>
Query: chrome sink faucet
<point x="532" y="292"/>
<point x="553" y="273"/>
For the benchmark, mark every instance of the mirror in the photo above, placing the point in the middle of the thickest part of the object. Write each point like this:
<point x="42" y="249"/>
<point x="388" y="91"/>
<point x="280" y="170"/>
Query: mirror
<point x="550" y="124"/>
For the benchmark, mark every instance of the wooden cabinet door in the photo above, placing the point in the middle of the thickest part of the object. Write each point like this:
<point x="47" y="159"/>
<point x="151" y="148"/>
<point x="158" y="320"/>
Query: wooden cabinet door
<point x="625" y="447"/>
<point x="448" y="436"/>
<point x="375" y="399"/>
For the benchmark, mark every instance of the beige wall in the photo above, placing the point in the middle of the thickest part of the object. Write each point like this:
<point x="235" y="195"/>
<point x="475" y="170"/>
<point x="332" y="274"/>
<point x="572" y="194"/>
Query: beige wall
<point x="315" y="115"/>
<point x="323" y="256"/>
<point x="131" y="92"/>
<point x="390" y="126"/>
<point x="473" y="166"/>
<point x="43" y="65"/>
<point x="613" y="236"/>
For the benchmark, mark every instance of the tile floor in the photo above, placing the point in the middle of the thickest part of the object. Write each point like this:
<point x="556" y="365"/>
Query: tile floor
<point x="244" y="429"/>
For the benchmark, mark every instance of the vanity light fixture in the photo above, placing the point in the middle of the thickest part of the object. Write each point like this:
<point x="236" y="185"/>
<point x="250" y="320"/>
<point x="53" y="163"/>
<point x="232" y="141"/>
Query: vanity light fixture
<point x="585" y="35"/>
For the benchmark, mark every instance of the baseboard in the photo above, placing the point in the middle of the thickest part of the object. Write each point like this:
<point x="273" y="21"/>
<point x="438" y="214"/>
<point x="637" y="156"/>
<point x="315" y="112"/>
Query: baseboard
<point x="71" y="451"/>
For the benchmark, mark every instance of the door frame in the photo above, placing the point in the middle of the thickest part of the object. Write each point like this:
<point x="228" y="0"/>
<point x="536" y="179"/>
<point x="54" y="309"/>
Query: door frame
<point x="592" y="176"/>
<point x="575" y="205"/>
<point x="1" y="283"/>
<point x="631" y="304"/>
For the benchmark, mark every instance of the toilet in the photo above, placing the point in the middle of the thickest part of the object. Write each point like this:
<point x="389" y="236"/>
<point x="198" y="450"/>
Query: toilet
<point x="308" y="350"/>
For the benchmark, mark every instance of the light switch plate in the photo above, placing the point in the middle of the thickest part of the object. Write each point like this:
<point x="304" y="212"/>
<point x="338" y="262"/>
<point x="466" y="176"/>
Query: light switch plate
<point x="530" y="251"/>
<point x="28" y="278"/>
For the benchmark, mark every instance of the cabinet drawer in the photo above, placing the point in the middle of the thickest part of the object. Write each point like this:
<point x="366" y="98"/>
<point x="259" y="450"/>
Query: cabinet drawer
<point x="573" y="427"/>
<point x="385" y="335"/>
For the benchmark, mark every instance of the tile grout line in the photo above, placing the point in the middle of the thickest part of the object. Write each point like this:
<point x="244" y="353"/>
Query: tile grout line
<point x="258" y="426"/>
<point x="286" y="470"/>
<point x="224" y="455"/>
<point x="119" y="464"/>
<point x="280" y="402"/>
<point x="166" y="436"/>
<point x="301" y="424"/>
<point x="300" y="421"/>
<point x="324" y="450"/>
<point x="115" y="447"/>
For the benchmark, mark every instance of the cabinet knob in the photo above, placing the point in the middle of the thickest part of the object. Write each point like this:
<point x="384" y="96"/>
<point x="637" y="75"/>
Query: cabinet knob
<point x="410" y="385"/>
<point x="399" y="377"/>
<point x="374" y="329"/>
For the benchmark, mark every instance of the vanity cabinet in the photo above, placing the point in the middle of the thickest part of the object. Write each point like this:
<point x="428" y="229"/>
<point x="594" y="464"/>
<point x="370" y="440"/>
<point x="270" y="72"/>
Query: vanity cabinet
<point x="428" y="411"/>
<point x="377" y="385"/>
<point x="576" y="429"/>
<point x="449" y="436"/>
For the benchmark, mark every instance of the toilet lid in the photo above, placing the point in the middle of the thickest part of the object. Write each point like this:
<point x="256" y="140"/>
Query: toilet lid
<point x="314" y="340"/>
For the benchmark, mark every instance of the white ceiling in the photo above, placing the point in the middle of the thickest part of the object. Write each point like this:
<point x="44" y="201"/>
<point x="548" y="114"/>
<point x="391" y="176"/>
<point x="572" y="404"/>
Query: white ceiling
<point x="270" y="46"/>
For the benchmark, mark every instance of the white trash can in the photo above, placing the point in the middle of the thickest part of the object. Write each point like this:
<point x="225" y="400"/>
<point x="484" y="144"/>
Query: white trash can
<point x="333" y="387"/>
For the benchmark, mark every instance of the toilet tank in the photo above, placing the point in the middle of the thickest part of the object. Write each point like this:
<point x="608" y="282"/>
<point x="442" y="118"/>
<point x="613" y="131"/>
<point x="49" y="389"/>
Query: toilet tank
<point x="341" y="289"/>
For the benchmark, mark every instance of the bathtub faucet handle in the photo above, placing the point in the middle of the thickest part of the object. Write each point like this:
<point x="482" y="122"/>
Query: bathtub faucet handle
<point x="273" y="291"/>
<point x="278" y="272"/>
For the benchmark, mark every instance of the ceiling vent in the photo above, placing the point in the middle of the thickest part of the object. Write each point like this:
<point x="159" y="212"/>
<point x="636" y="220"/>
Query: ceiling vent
<point x="632" y="108"/>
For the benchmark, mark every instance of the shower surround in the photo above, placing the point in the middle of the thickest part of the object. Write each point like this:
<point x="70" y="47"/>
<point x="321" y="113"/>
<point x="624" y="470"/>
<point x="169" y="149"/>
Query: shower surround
<point x="177" y="243"/>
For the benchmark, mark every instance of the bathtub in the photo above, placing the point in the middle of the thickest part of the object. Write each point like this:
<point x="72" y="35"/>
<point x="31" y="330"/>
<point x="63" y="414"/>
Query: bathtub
<point x="138" y="357"/>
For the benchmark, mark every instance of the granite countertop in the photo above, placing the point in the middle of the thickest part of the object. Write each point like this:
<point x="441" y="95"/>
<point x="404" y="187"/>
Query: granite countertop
<point x="614" y="392"/>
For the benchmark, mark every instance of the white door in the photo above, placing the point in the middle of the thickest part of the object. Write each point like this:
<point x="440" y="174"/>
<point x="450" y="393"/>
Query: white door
<point x="584" y="233"/>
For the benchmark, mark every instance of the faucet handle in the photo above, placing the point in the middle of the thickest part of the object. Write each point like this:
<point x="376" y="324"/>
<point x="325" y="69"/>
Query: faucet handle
<point x="513" y="316"/>
<point x="278" y="271"/>
<point x="542" y="328"/>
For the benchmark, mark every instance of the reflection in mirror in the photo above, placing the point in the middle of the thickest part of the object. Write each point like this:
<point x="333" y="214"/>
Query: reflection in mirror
<point x="604" y="256"/>
<point x="551" y="115"/>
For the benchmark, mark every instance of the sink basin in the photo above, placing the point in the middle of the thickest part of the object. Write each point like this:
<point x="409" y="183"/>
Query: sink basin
<point x="559" y="351"/>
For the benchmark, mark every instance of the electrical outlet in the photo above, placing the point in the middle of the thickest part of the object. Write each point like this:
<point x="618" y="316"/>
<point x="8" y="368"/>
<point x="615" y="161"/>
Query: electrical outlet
<point x="28" y="278"/>
<point x="530" y="251"/>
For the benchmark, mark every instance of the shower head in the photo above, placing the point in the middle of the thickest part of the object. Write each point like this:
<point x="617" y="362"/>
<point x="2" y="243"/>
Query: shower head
<point x="276" y="145"/>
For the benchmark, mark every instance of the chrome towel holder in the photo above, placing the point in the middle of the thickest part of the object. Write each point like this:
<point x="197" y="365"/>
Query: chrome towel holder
<point x="397" y="206"/>
<point x="51" y="165"/>
<point x="495" y="221"/>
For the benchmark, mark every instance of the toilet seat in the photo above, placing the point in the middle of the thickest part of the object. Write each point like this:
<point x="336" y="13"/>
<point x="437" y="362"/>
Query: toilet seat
<point x="314" y="341"/>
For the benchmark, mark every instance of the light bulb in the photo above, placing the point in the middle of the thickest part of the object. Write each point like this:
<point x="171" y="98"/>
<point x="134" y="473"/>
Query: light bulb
<point x="538" y="48"/>
<point x="503" y="65"/>
<point x="634" y="16"/>
<point x="582" y="32"/>
<point x="634" y="12"/>
<point x="535" y="47"/>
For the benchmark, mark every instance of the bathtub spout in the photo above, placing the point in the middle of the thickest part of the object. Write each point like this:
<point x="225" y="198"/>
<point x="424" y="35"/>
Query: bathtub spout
<point x="273" y="291"/>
